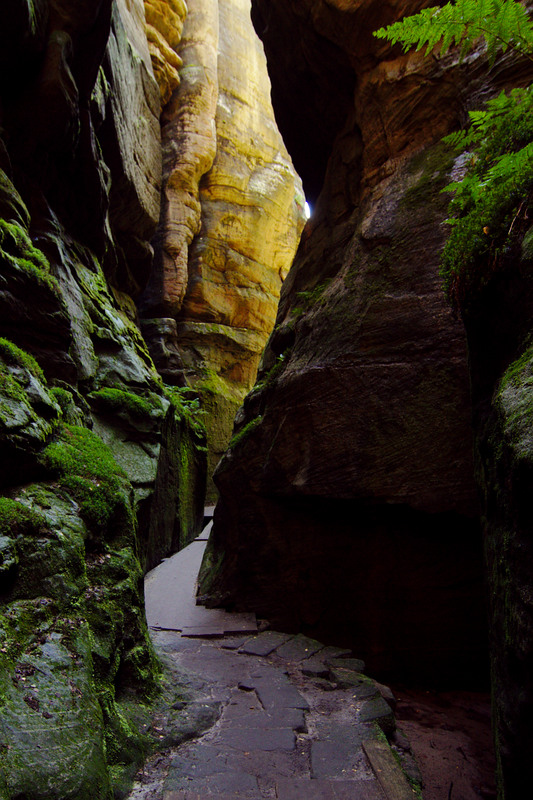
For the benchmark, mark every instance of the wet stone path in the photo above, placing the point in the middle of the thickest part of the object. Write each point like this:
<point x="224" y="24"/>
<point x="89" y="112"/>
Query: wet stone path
<point x="282" y="716"/>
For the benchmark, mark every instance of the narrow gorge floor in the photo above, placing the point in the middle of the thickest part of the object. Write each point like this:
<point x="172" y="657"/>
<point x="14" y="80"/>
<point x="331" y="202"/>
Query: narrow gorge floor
<point x="272" y="715"/>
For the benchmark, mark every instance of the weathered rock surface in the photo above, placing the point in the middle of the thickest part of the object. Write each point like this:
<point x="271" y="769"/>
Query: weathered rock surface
<point x="231" y="212"/>
<point x="351" y="466"/>
<point x="352" y="463"/>
<point x="164" y="26"/>
<point x="102" y="468"/>
<point x="498" y="325"/>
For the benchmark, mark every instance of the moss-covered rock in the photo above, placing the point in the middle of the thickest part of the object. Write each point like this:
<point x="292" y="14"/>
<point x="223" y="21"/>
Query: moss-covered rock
<point x="74" y="635"/>
<point x="505" y="470"/>
<point x="28" y="412"/>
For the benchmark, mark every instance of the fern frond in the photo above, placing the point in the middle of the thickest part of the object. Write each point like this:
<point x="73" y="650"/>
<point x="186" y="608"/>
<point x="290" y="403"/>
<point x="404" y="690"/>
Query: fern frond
<point x="502" y="24"/>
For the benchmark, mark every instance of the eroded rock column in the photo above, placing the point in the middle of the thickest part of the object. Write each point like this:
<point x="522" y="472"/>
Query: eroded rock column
<point x="231" y="216"/>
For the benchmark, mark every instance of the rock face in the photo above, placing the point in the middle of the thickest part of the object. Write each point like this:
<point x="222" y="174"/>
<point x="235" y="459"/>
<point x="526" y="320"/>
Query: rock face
<point x="499" y="326"/>
<point x="351" y="465"/>
<point x="230" y="220"/>
<point x="351" y="468"/>
<point x="164" y="27"/>
<point x="102" y="466"/>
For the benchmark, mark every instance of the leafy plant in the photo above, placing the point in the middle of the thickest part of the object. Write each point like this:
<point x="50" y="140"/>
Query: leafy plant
<point x="503" y="24"/>
<point x="186" y="404"/>
<point x="497" y="186"/>
<point x="493" y="194"/>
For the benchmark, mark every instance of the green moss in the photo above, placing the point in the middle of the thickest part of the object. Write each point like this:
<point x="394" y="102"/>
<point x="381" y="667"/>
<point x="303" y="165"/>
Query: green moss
<point x="11" y="388"/>
<point x="118" y="399"/>
<point x="186" y="403"/>
<point x="274" y="372"/>
<point x="214" y="384"/>
<point x="87" y="470"/>
<point x="492" y="202"/>
<point x="515" y="371"/>
<point x="74" y="408"/>
<point x="17" y="249"/>
<point x="245" y="432"/>
<point x="515" y="402"/>
<point x="312" y="296"/>
<point x="17" y="519"/>
<point x="78" y="451"/>
<point x="14" y="356"/>
<point x="527" y="245"/>
<point x="63" y="397"/>
<point x="432" y="169"/>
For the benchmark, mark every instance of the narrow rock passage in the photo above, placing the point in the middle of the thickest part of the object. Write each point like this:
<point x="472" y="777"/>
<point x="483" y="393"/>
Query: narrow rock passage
<point x="296" y="720"/>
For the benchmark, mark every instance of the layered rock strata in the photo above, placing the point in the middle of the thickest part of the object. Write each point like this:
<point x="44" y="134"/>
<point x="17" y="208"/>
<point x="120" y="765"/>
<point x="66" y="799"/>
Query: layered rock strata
<point x="348" y="503"/>
<point x="102" y="467"/>
<point x="230" y="220"/>
<point x="347" y="499"/>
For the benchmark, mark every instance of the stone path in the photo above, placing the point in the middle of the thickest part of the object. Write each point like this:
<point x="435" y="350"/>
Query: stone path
<point x="170" y="591"/>
<point x="296" y="720"/>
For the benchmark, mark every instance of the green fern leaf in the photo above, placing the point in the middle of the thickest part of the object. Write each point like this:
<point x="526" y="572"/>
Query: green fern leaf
<point x="502" y="24"/>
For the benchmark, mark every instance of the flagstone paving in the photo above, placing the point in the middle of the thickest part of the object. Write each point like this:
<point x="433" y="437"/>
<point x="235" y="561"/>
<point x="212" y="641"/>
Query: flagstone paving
<point x="296" y="720"/>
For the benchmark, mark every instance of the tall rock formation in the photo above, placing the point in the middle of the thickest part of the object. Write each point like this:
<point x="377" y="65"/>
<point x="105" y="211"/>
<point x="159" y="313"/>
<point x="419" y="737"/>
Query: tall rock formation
<point x="116" y="117"/>
<point x="347" y="499"/>
<point x="231" y="216"/>
<point x="348" y="505"/>
<point x="93" y="446"/>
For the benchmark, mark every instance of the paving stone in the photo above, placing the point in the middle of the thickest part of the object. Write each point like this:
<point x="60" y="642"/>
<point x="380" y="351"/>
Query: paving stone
<point x="387" y="694"/>
<point x="337" y="753"/>
<point x="280" y="696"/>
<point x="203" y="631"/>
<point x="242" y="705"/>
<point x="377" y="710"/>
<point x="299" y="648"/>
<point x="266" y="739"/>
<point x="170" y="587"/>
<point x="354" y="664"/>
<point x="360" y="685"/>
<point x="358" y="790"/>
<point x="239" y="784"/>
<point x="233" y="644"/>
<point x="300" y="789"/>
<point x="198" y="761"/>
<point x="240" y="623"/>
<point x="314" y="668"/>
<point x="189" y="795"/>
<point x="245" y="711"/>
<point x="265" y="643"/>
<point x="258" y="748"/>
<point x="270" y="763"/>
<point x="335" y="652"/>
<point x="293" y="718"/>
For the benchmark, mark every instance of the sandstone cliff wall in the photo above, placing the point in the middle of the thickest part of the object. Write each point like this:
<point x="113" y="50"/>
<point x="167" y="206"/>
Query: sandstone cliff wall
<point x="347" y="499"/>
<point x="92" y="444"/>
<point x="231" y="216"/>
<point x="124" y="125"/>
<point x="353" y="459"/>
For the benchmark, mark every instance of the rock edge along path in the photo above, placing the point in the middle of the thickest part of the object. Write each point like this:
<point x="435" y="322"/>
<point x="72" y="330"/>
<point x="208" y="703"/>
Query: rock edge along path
<point x="296" y="720"/>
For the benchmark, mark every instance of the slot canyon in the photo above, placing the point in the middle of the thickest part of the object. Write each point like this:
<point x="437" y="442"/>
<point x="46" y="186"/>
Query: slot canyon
<point x="235" y="211"/>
